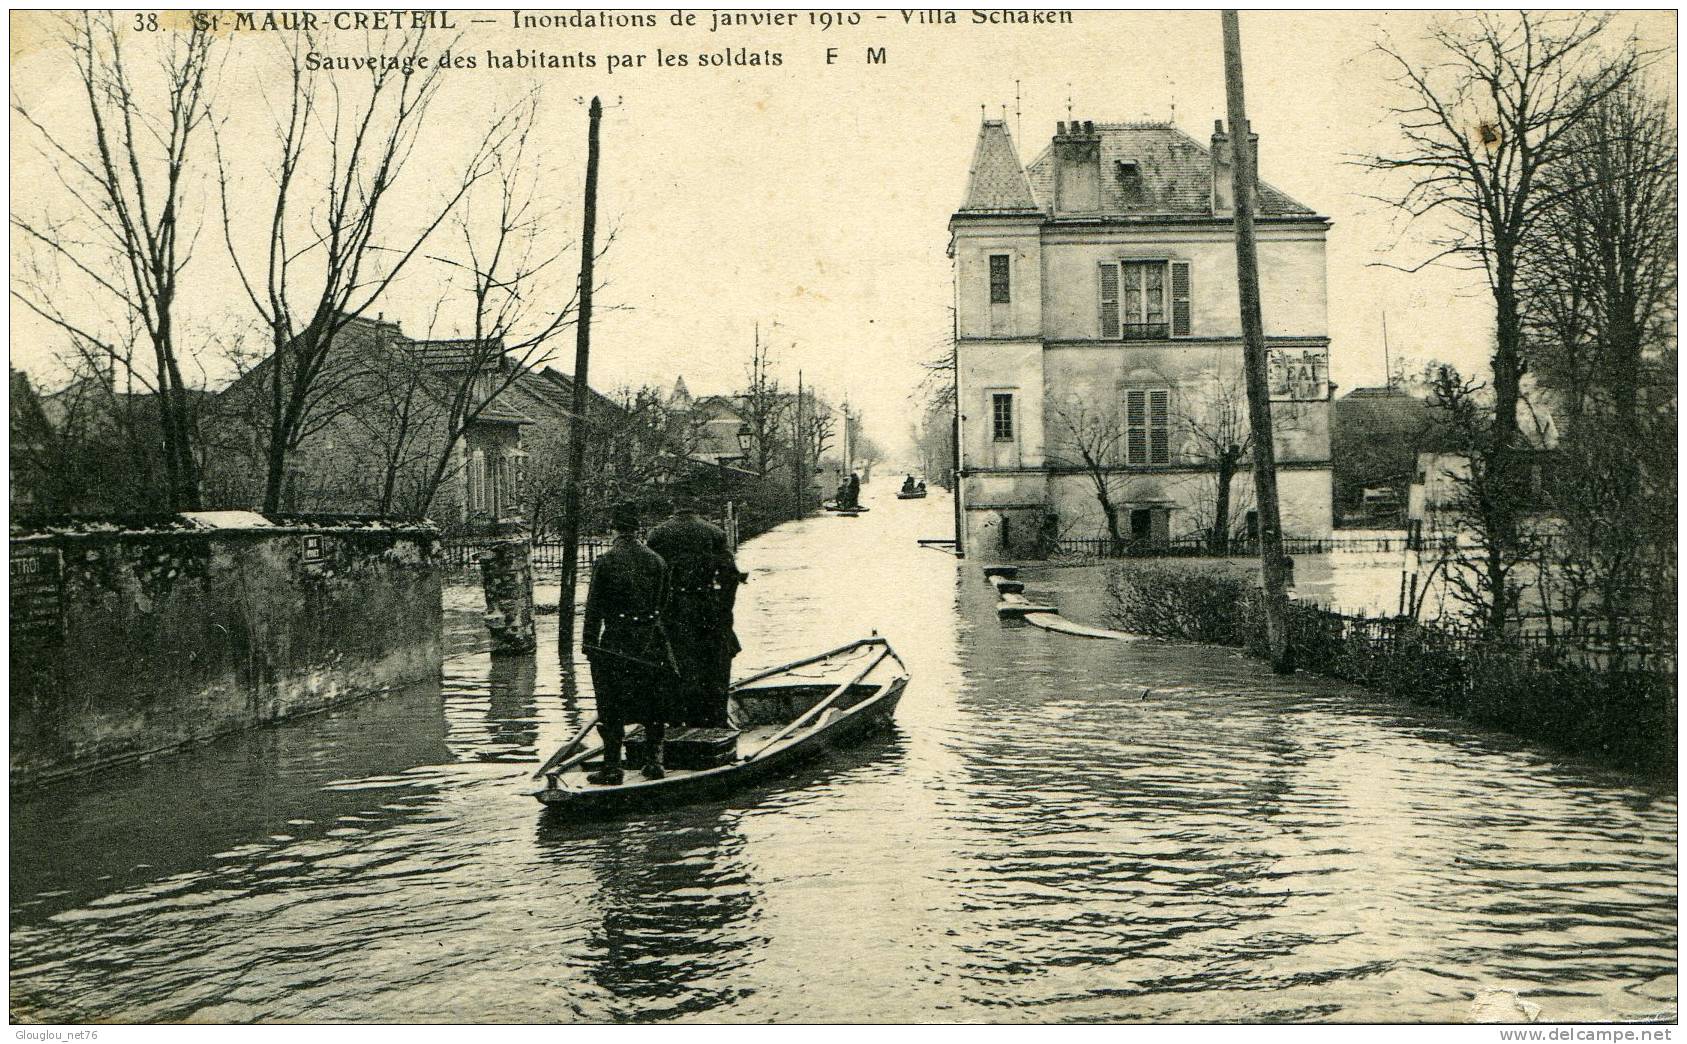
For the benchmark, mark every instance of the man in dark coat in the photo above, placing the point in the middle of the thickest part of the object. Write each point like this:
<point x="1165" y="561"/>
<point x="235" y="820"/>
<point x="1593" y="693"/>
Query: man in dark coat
<point x="632" y="664"/>
<point x="703" y="584"/>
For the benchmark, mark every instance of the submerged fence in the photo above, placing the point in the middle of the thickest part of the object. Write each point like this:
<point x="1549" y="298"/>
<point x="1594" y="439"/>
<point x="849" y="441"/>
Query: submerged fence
<point x="1205" y="547"/>
<point x="462" y="551"/>
<point x="1613" y="699"/>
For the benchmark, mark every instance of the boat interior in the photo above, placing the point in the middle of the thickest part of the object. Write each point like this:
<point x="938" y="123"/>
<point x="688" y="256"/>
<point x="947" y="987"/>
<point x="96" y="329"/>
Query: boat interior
<point x="758" y="715"/>
<point x="767" y="711"/>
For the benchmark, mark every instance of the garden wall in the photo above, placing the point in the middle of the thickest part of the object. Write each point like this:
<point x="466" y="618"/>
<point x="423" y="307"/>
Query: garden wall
<point x="133" y="636"/>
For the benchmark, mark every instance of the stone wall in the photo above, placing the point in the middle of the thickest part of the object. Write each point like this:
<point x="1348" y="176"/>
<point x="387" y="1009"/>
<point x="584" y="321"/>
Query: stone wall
<point x="130" y="637"/>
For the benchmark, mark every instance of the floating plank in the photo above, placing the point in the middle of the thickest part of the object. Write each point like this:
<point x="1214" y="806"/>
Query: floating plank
<point x="1060" y="625"/>
<point x="1020" y="608"/>
<point x="1005" y="585"/>
<point x="1008" y="571"/>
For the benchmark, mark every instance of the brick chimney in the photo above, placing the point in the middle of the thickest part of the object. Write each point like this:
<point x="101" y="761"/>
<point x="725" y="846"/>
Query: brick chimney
<point x="1077" y="168"/>
<point x="1224" y="163"/>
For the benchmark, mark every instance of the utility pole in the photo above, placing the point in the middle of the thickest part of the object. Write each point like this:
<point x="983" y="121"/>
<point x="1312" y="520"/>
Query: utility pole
<point x="1274" y="566"/>
<point x="577" y="426"/>
<point x="802" y="453"/>
<point x="1387" y="360"/>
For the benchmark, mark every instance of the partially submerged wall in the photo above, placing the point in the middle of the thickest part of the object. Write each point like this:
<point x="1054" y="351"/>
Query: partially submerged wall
<point x="130" y="637"/>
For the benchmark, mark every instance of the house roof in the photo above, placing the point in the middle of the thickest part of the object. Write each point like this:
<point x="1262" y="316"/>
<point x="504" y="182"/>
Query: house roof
<point x="997" y="183"/>
<point x="458" y="353"/>
<point x="1174" y="174"/>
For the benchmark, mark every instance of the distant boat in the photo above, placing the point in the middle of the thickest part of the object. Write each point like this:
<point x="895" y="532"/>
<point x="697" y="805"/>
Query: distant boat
<point x="832" y="506"/>
<point x="781" y="718"/>
<point x="918" y="494"/>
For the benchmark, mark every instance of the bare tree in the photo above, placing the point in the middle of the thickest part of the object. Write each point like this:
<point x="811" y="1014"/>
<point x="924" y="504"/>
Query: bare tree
<point x="1093" y="440"/>
<point x="1482" y="124"/>
<point x="1601" y="262"/>
<point x="508" y="247"/>
<point x="764" y="407"/>
<point x="937" y="384"/>
<point x="818" y="429"/>
<point x="934" y="438"/>
<point x="1488" y="579"/>
<point x="331" y="250"/>
<point x="133" y="234"/>
<point x="1219" y="442"/>
<point x="636" y="447"/>
<point x="399" y="411"/>
<point x="1600" y="285"/>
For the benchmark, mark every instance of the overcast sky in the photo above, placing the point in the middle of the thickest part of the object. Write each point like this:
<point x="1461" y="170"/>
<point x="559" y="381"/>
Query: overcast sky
<point x="816" y="197"/>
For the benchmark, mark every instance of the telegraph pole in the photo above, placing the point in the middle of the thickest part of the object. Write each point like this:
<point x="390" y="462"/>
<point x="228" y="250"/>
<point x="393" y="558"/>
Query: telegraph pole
<point x="802" y="454"/>
<point x="1273" y="565"/>
<point x="577" y="427"/>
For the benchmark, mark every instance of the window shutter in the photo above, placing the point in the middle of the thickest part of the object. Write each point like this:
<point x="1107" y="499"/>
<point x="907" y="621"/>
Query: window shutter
<point x="1109" y="300"/>
<point x="1136" y="427"/>
<point x="1180" y="299"/>
<point x="1159" y="427"/>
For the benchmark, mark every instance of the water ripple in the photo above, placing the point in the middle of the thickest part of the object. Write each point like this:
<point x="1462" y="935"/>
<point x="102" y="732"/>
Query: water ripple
<point x="1056" y="830"/>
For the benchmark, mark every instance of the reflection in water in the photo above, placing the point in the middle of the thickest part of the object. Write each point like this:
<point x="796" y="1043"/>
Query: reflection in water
<point x="1057" y="830"/>
<point x="674" y="899"/>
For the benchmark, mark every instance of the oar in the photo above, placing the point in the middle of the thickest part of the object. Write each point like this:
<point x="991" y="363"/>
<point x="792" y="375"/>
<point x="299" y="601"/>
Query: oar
<point x="822" y="705"/>
<point x="564" y="750"/>
<point x="563" y="766"/>
<point x="804" y="662"/>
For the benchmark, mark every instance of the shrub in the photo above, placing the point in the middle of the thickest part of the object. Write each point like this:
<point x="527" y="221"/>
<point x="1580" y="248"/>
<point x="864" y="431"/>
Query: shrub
<point x="1198" y="604"/>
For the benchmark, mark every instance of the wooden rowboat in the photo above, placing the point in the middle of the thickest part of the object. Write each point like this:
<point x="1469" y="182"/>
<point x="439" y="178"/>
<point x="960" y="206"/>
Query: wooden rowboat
<point x="918" y="494"/>
<point x="832" y="506"/>
<point x="784" y="716"/>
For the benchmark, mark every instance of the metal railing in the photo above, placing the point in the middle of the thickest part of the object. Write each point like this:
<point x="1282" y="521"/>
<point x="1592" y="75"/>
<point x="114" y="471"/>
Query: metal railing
<point x="1205" y="547"/>
<point x="464" y="552"/>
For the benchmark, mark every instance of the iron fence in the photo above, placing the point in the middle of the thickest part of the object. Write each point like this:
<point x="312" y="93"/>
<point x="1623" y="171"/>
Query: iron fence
<point x="464" y="552"/>
<point x="1205" y="547"/>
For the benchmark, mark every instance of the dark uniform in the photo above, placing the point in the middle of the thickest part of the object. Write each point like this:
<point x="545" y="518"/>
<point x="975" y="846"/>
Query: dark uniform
<point x="632" y="667"/>
<point x="703" y="585"/>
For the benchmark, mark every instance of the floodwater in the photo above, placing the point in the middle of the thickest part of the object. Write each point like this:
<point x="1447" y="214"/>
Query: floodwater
<point x="1059" y="829"/>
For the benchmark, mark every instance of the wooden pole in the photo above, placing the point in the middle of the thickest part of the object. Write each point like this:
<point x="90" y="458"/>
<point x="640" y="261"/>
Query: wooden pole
<point x="802" y="451"/>
<point x="577" y="427"/>
<point x="1273" y="567"/>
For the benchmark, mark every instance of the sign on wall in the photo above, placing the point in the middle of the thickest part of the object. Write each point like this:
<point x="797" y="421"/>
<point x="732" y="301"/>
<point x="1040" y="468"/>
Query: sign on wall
<point x="36" y="596"/>
<point x="1298" y="374"/>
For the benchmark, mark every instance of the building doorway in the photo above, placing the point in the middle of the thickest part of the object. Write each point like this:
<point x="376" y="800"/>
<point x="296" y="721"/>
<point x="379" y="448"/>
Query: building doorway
<point x="1150" y="527"/>
<point x="1142" y="525"/>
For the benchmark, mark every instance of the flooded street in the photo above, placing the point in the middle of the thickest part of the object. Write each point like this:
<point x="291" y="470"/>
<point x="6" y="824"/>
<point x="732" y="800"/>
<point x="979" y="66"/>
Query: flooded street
<point x="1058" y="829"/>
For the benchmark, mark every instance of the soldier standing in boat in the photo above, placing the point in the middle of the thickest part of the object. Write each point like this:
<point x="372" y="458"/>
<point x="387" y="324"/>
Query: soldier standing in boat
<point x="703" y="584"/>
<point x="632" y="663"/>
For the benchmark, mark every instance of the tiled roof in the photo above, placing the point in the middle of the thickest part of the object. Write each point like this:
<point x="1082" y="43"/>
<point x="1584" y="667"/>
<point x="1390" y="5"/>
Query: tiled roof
<point x="457" y="353"/>
<point x="1174" y="174"/>
<point x="997" y="182"/>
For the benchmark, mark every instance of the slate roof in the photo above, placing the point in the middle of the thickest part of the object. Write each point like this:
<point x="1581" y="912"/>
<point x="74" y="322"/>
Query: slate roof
<point x="1174" y="174"/>
<point x="997" y="183"/>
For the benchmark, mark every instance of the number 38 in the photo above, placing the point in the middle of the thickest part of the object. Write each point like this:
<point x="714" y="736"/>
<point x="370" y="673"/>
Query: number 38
<point x="146" y="23"/>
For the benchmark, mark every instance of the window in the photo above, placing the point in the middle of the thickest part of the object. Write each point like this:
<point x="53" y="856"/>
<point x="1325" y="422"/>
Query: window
<point x="999" y="284"/>
<point x="1001" y="416"/>
<point x="477" y="482"/>
<point x="1148" y="426"/>
<point x="1144" y="300"/>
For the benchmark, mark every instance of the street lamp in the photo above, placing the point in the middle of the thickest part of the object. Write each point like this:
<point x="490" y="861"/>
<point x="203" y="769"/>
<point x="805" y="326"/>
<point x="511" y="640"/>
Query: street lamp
<point x="745" y="437"/>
